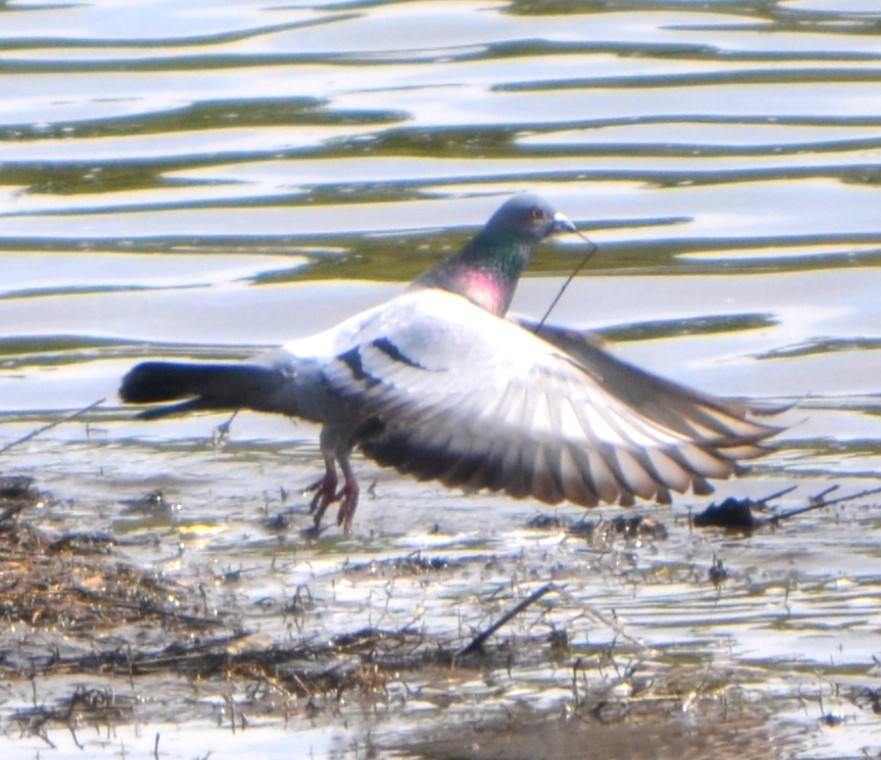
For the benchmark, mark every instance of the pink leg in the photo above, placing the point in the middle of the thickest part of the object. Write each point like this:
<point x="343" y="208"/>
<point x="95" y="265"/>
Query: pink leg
<point x="348" y="495"/>
<point x="335" y="449"/>
<point x="325" y="489"/>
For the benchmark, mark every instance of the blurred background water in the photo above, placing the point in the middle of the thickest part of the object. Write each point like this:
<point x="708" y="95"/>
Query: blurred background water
<point x="204" y="179"/>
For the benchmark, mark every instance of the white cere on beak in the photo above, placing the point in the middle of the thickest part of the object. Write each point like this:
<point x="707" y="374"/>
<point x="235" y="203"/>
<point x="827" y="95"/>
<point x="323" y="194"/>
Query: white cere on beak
<point x="562" y="221"/>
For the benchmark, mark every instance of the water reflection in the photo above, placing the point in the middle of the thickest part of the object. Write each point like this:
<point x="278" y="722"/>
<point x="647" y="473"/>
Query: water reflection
<point x="201" y="181"/>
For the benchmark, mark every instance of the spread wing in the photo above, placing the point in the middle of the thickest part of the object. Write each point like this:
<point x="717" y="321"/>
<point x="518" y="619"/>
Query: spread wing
<point x="443" y="390"/>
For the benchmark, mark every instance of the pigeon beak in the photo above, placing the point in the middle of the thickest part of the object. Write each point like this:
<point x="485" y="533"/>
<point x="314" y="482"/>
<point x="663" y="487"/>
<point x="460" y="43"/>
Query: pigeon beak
<point x="562" y="223"/>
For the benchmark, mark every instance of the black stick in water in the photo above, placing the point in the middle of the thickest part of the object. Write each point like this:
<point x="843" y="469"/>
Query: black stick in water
<point x="478" y="641"/>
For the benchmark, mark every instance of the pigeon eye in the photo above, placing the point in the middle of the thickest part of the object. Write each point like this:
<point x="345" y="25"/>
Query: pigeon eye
<point x="535" y="213"/>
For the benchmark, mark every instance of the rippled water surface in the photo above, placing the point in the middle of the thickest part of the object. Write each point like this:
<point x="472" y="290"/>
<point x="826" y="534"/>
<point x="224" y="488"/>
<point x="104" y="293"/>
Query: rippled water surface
<point x="202" y="179"/>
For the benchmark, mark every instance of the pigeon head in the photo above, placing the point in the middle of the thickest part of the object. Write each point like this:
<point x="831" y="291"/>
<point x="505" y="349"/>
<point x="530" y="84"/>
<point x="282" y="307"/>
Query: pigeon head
<point x="527" y="217"/>
<point x="486" y="270"/>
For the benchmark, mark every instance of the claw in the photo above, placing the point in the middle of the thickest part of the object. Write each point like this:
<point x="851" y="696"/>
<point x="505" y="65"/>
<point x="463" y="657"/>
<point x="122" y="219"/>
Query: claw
<point x="326" y="492"/>
<point x="348" y="496"/>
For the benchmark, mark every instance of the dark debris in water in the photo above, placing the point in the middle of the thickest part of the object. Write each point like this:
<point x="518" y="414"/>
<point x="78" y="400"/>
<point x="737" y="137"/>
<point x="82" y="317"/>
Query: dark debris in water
<point x="630" y="527"/>
<point x="868" y="697"/>
<point x="733" y="514"/>
<point x="85" y="704"/>
<point x="415" y="563"/>
<point x="16" y="487"/>
<point x="740" y="514"/>
<point x="17" y="493"/>
<point x="154" y="503"/>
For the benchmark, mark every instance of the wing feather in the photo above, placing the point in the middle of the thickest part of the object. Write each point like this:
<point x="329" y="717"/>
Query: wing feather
<point x="477" y="401"/>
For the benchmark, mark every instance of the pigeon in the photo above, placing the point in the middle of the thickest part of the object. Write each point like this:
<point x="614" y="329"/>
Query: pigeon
<point x="441" y="384"/>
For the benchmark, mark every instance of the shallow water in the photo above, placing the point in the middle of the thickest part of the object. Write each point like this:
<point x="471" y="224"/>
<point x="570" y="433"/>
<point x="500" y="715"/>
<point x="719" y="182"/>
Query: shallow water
<point x="202" y="181"/>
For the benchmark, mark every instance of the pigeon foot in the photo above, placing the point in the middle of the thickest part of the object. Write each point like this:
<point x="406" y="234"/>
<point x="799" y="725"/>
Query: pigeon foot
<point x="326" y="493"/>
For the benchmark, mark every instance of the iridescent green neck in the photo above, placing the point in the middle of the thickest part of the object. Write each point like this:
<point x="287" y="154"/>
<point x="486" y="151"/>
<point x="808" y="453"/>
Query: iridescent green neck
<point x="485" y="271"/>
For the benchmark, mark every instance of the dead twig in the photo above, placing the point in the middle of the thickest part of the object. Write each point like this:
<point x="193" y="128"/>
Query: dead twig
<point x="818" y="502"/>
<point x="555" y="301"/>
<point x="782" y="492"/>
<point x="49" y="426"/>
<point x="478" y="641"/>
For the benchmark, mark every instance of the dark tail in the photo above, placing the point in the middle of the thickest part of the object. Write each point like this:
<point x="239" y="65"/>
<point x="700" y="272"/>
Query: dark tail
<point x="204" y="386"/>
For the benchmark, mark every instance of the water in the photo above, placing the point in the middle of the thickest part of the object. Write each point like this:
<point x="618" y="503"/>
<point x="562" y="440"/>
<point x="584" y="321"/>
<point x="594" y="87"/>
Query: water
<point x="201" y="181"/>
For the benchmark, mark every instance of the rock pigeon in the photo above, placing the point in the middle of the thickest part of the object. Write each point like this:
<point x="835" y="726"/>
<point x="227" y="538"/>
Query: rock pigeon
<point x="438" y="383"/>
